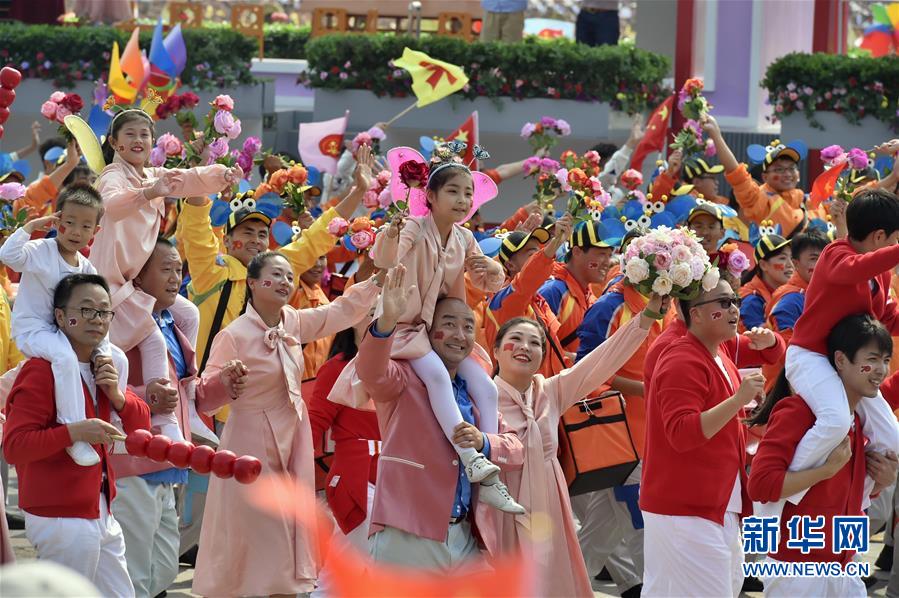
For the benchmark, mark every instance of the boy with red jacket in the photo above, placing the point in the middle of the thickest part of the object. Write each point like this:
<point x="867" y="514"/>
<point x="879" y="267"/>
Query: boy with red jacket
<point x="852" y="276"/>
<point x="67" y="506"/>
<point x="859" y="348"/>
<point x="692" y="491"/>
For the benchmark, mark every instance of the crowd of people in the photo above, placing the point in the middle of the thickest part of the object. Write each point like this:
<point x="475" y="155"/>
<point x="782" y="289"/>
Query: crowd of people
<point x="429" y="385"/>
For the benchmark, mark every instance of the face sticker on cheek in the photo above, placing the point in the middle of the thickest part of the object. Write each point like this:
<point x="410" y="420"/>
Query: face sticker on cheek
<point x="592" y="265"/>
<point x="508" y="347"/>
<point x="438" y="335"/>
<point x="73" y="322"/>
<point x="237" y="245"/>
<point x="866" y="369"/>
<point x="62" y="229"/>
<point x="716" y="315"/>
<point x="266" y="283"/>
<point x="780" y="267"/>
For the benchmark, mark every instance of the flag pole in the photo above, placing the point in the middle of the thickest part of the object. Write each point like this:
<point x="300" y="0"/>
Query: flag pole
<point x="401" y="114"/>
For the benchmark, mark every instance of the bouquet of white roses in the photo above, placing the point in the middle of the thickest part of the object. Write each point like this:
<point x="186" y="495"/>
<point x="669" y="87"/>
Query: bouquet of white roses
<point x="669" y="261"/>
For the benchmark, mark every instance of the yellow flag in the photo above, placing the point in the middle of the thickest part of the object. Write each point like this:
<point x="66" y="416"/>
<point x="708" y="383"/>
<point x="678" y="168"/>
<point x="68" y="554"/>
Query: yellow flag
<point x="432" y="79"/>
<point x="117" y="83"/>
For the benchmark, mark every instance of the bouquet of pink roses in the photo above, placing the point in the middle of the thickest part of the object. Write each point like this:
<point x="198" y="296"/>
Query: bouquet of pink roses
<point x="671" y="262"/>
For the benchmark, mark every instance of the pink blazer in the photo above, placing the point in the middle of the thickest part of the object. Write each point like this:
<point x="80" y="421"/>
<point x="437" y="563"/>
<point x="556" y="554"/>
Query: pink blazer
<point x="126" y="465"/>
<point x="418" y="469"/>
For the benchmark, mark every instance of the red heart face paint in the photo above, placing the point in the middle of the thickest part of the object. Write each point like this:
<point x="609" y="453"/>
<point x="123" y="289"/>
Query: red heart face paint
<point x="236" y="244"/>
<point x="438" y="335"/>
<point x="866" y="369"/>
<point x="592" y="265"/>
<point x="62" y="229"/>
<point x="73" y="322"/>
<point x="716" y="315"/>
<point x="508" y="347"/>
<point x="266" y="283"/>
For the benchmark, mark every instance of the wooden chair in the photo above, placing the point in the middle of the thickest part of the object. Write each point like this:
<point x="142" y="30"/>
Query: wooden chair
<point x="366" y="24"/>
<point x="189" y="14"/>
<point x="249" y="20"/>
<point x="328" y="20"/>
<point x="454" y="24"/>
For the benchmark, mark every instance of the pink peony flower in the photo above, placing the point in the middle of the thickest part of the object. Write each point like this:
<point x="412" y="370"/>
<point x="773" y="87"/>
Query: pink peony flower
<point x="548" y="122"/>
<point x="710" y="148"/>
<point x="662" y="261"/>
<point x="252" y="145"/>
<point x="362" y="239"/>
<point x="217" y="149"/>
<point x="831" y="152"/>
<point x="531" y="165"/>
<point x="562" y="177"/>
<point x="592" y="157"/>
<point x="57" y="96"/>
<point x="11" y="191"/>
<point x="157" y="156"/>
<point x="737" y="262"/>
<point x="383" y="178"/>
<point x="549" y="165"/>
<point x="361" y="139"/>
<point x="226" y="124"/>
<point x="385" y="199"/>
<point x="338" y="226"/>
<point x="563" y="127"/>
<point x="527" y="130"/>
<point x="223" y="102"/>
<point x="61" y="113"/>
<point x="170" y="144"/>
<point x="48" y="109"/>
<point x="858" y="159"/>
<point x="370" y="200"/>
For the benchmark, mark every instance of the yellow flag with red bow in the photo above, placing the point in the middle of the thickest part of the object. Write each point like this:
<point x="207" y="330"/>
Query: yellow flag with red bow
<point x="432" y="79"/>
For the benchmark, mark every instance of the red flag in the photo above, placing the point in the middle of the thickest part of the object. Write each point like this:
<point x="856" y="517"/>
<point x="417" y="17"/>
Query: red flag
<point x="824" y="185"/>
<point x="468" y="133"/>
<point x="656" y="132"/>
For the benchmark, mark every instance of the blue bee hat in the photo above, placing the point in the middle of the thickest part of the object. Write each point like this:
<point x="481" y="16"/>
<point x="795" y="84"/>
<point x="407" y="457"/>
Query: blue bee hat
<point x="795" y="150"/>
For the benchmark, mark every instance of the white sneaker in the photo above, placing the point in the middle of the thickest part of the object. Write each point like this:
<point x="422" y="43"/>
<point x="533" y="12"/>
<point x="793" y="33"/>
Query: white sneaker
<point x="83" y="454"/>
<point x="479" y="468"/>
<point x="497" y="496"/>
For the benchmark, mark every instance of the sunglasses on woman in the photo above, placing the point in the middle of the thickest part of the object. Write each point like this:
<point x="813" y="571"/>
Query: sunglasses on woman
<point x="724" y="302"/>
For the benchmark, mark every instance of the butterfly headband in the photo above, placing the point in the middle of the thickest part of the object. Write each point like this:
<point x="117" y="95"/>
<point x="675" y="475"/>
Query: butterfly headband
<point x="450" y="154"/>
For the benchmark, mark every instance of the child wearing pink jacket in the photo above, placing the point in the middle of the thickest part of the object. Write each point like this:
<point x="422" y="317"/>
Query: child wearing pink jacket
<point x="134" y="202"/>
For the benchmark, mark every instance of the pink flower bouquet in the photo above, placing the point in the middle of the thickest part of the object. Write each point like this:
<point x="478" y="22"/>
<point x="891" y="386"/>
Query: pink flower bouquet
<point x="671" y="262"/>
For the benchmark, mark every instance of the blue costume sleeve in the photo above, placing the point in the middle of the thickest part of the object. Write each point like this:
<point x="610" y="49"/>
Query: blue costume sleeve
<point x="595" y="326"/>
<point x="752" y="311"/>
<point x="554" y="291"/>
<point x="787" y="310"/>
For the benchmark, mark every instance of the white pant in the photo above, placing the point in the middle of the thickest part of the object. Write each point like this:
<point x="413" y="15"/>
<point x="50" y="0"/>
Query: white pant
<point x="813" y="587"/>
<point x="481" y="390"/>
<point x="392" y="545"/>
<point x="692" y="556"/>
<point x="356" y="540"/>
<point x="94" y="548"/>
<point x="607" y="535"/>
<point x="53" y="345"/>
<point x="146" y="513"/>
<point x="814" y="379"/>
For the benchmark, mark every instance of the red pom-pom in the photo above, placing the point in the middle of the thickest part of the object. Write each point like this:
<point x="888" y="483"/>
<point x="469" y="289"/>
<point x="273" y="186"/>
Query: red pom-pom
<point x="158" y="447"/>
<point x="223" y="464"/>
<point x="7" y="97"/>
<point x="10" y="77"/>
<point x="179" y="454"/>
<point x="4" y="115"/>
<point x="201" y="459"/>
<point x="247" y="469"/>
<point x="136" y="442"/>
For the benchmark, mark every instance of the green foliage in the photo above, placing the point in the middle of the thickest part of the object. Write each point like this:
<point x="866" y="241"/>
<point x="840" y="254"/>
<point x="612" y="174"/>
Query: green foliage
<point x="286" y="41"/>
<point x="854" y="86"/>
<point x="629" y="79"/>
<point x="216" y="56"/>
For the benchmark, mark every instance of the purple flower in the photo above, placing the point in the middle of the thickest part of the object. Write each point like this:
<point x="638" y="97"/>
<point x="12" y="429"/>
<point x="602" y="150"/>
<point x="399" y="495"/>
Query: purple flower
<point x="531" y="165"/>
<point x="831" y="152"/>
<point x="217" y="149"/>
<point x="693" y="126"/>
<point x="157" y="156"/>
<point x="25" y="65"/>
<point x="47" y="64"/>
<point x="347" y="64"/>
<point x="377" y="133"/>
<point x="808" y="90"/>
<point x="343" y="75"/>
<point x="791" y="86"/>
<point x="549" y="164"/>
<point x="800" y="105"/>
<point x="527" y="130"/>
<point x="323" y="75"/>
<point x="226" y="124"/>
<point x="252" y="145"/>
<point x="564" y="127"/>
<point x="858" y="159"/>
<point x="710" y="148"/>
<point x="397" y="73"/>
<point x="548" y="122"/>
<point x="245" y="161"/>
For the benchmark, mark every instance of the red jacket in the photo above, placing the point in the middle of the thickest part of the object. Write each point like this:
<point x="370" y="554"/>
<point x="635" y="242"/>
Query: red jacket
<point x="50" y="483"/>
<point x="683" y="472"/>
<point x="840" y="495"/>
<point x="737" y="349"/>
<point x="356" y="437"/>
<point x="842" y="287"/>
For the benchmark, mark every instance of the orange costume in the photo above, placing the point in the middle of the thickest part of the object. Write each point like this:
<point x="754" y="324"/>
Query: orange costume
<point x="315" y="353"/>
<point x="761" y="202"/>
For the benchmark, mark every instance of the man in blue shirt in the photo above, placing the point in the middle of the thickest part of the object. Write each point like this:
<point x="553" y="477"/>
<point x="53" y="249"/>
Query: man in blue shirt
<point x="145" y="504"/>
<point x="424" y="505"/>
<point x="503" y="20"/>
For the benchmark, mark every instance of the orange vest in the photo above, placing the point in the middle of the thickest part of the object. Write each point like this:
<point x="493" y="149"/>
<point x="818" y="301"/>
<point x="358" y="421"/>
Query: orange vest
<point x="315" y="353"/>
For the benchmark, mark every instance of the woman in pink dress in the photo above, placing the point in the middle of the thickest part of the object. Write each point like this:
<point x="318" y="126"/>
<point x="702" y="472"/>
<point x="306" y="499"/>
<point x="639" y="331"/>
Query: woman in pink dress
<point x="243" y="552"/>
<point x="531" y="406"/>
